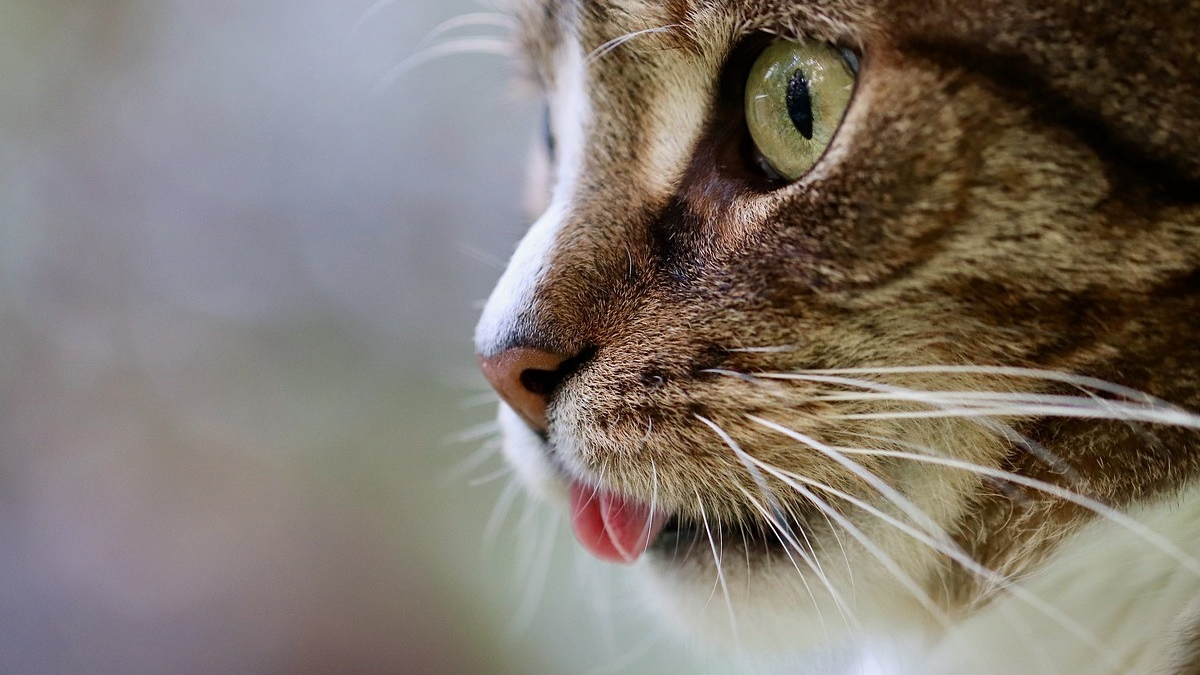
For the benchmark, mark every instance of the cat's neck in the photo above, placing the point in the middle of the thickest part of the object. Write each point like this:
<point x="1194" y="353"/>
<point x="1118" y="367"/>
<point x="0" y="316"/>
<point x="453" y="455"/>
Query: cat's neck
<point x="1115" y="598"/>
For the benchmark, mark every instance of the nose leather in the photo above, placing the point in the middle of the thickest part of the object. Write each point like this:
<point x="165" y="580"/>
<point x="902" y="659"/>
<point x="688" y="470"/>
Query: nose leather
<point x="525" y="377"/>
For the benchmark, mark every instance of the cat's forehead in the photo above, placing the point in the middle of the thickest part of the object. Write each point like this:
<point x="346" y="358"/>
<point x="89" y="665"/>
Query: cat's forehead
<point x="544" y="25"/>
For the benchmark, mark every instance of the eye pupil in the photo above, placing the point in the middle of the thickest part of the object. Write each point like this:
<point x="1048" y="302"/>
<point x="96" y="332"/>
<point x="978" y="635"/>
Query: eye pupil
<point x="799" y="104"/>
<point x="797" y="93"/>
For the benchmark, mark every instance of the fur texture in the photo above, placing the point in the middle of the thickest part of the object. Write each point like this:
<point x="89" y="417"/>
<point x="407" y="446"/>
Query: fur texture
<point x="871" y="383"/>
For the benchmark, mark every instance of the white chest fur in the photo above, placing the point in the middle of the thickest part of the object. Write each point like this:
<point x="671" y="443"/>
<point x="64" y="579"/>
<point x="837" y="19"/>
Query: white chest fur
<point x="1112" y="601"/>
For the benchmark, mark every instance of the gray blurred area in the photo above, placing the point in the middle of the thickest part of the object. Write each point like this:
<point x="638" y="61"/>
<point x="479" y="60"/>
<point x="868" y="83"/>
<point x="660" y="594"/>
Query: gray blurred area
<point x="240" y="260"/>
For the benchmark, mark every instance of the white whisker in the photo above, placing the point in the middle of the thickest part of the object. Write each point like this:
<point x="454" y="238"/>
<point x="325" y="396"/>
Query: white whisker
<point x="1082" y="381"/>
<point x="959" y="556"/>
<point x="538" y="574"/>
<point x="769" y="494"/>
<point x="720" y="570"/>
<point x="762" y="350"/>
<point x="475" y="433"/>
<point x="653" y="504"/>
<point x="778" y="522"/>
<point x="996" y="404"/>
<point x="482" y="256"/>
<point x="1123" y="414"/>
<point x="494" y="19"/>
<point x="486" y="398"/>
<point x="797" y="483"/>
<point x="613" y="44"/>
<point x="783" y="532"/>
<point x="454" y="47"/>
<point x="1097" y="507"/>
<point x="527" y="537"/>
<point x="473" y="461"/>
<point x="940" y="541"/>
<point x="490" y="477"/>
<point x="500" y="511"/>
<point x="871" y="479"/>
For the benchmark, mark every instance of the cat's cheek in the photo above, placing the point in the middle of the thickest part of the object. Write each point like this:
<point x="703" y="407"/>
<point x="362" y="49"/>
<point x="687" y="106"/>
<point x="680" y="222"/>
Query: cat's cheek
<point x="526" y="453"/>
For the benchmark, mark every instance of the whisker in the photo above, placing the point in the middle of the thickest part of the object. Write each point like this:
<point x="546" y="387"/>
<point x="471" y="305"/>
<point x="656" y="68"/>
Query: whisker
<point x="491" y="477"/>
<point x="486" y="398"/>
<point x="998" y="404"/>
<point x="857" y="469"/>
<point x="889" y="563"/>
<point x="454" y="47"/>
<point x="463" y="20"/>
<point x="959" y="556"/>
<point x="538" y="574"/>
<point x="988" y="423"/>
<point x="494" y="19"/>
<point x="474" y="433"/>
<point x="527" y="537"/>
<point x="769" y="494"/>
<point x="613" y="44"/>
<point x="762" y="350"/>
<point x="720" y="570"/>
<point x="966" y="398"/>
<point x="1124" y="414"/>
<point x="766" y="491"/>
<point x="797" y="483"/>
<point x="940" y="542"/>
<point x="784" y="534"/>
<point x="1003" y="371"/>
<point x="500" y="511"/>
<point x="653" y="504"/>
<point x="473" y="461"/>
<point x="778" y="523"/>
<point x="479" y="255"/>
<point x="1097" y="507"/>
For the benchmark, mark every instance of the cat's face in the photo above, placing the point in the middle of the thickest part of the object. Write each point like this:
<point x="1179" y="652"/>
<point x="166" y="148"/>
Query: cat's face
<point x="783" y="368"/>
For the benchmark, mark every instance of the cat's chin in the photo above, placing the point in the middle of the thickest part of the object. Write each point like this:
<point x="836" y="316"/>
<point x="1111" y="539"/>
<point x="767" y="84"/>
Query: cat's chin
<point x="767" y="612"/>
<point x="775" y="603"/>
<point x="757" y="599"/>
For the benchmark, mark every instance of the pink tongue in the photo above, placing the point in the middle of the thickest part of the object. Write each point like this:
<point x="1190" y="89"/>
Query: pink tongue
<point x="613" y="528"/>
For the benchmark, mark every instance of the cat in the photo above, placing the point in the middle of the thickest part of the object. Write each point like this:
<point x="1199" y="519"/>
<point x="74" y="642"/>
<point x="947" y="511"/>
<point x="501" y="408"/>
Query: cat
<point x="874" y="322"/>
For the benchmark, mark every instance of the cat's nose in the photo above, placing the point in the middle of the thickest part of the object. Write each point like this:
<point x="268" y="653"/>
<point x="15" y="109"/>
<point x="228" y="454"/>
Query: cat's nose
<point x="526" y="378"/>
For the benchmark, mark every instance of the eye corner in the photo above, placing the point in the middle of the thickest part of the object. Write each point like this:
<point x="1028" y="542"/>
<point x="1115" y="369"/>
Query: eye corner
<point x="546" y="131"/>
<point x="852" y="58"/>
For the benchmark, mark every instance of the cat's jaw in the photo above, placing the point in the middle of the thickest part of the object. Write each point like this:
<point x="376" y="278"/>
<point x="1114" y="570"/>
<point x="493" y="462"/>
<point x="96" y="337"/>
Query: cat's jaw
<point x="743" y="593"/>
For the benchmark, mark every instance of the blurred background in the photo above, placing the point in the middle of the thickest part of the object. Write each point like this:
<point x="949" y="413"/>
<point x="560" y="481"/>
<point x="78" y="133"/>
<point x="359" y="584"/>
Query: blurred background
<point x="241" y="255"/>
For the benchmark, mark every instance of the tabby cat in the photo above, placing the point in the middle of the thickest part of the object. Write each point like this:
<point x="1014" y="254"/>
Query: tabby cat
<point x="873" y="322"/>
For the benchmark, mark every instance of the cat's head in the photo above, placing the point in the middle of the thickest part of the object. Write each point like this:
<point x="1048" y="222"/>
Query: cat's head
<point x="797" y="320"/>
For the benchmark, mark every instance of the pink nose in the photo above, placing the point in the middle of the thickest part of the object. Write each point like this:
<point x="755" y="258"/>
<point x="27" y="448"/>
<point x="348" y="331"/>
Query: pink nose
<point x="525" y="378"/>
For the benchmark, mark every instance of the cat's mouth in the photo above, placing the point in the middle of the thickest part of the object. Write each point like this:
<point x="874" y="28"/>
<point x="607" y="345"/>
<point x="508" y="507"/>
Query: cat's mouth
<point x="684" y="537"/>
<point x="613" y="527"/>
<point x="618" y="529"/>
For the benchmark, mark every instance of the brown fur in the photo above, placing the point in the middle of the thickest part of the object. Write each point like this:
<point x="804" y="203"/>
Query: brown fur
<point x="1017" y="184"/>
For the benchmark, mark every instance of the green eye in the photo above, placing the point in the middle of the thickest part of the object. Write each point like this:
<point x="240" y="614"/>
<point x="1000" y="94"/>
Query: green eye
<point x="796" y="97"/>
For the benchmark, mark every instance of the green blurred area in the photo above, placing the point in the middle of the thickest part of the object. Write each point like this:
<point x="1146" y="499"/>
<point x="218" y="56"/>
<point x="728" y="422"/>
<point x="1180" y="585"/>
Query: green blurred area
<point x="237" y="286"/>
